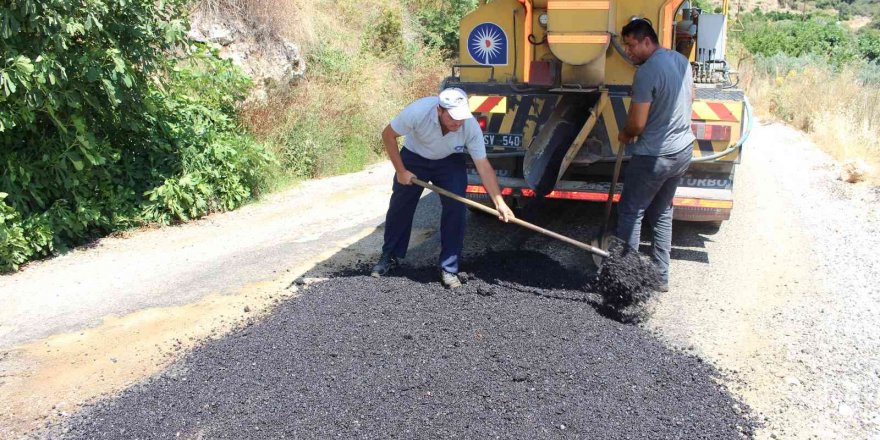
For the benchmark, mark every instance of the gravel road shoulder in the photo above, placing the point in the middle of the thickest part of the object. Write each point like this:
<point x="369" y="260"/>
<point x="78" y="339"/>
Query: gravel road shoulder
<point x="784" y="297"/>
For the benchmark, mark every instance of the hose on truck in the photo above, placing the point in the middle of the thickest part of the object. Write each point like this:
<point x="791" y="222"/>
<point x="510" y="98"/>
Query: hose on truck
<point x="615" y="42"/>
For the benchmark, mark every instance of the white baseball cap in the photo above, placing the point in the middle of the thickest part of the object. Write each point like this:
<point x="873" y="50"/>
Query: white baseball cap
<point x="455" y="101"/>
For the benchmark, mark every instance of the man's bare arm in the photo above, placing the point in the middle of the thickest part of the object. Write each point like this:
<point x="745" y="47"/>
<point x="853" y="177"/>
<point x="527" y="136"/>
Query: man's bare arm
<point x="635" y="122"/>
<point x="389" y="138"/>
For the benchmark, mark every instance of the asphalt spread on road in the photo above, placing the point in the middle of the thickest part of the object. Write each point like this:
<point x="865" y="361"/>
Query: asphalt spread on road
<point x="520" y="351"/>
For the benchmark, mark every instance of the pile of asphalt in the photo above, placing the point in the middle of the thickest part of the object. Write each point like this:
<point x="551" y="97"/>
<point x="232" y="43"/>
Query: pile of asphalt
<point x="517" y="352"/>
<point x="627" y="279"/>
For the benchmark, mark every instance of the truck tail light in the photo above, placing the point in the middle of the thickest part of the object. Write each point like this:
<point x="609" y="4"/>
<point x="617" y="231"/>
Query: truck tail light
<point x="711" y="132"/>
<point x="483" y="122"/>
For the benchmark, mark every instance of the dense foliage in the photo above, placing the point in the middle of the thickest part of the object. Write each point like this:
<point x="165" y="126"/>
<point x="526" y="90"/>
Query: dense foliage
<point x="768" y="34"/>
<point x="110" y="118"/>
<point x="796" y="56"/>
<point x="869" y="44"/>
<point x="440" y="20"/>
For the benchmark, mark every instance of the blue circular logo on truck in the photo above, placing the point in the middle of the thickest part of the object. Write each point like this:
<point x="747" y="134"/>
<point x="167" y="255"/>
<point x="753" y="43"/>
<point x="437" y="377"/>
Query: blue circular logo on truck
<point x="487" y="44"/>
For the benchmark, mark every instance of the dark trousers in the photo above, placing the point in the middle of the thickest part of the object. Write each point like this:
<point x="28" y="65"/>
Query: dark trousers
<point x="448" y="173"/>
<point x="648" y="189"/>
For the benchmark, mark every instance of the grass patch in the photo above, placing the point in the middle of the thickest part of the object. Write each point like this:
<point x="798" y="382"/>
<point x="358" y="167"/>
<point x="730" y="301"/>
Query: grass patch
<point x="812" y="72"/>
<point x="838" y="108"/>
<point x="359" y="76"/>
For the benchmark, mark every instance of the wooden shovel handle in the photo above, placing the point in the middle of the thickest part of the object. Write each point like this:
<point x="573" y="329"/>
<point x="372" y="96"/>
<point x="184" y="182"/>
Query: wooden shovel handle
<point x="516" y="221"/>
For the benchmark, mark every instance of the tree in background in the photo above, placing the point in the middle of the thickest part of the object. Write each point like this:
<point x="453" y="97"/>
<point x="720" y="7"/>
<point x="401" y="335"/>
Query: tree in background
<point x="111" y="118"/>
<point x="440" y="20"/>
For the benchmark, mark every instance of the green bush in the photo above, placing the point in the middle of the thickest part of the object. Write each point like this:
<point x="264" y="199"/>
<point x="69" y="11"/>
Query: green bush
<point x="780" y="64"/>
<point x="868" y="74"/>
<point x="311" y="147"/>
<point x="869" y="44"/>
<point x="302" y="145"/>
<point x="441" y="20"/>
<point x="816" y="35"/>
<point x="329" y="62"/>
<point x="385" y="36"/>
<point x="215" y="168"/>
<point x="110" y="118"/>
<point x="14" y="249"/>
<point x="704" y="5"/>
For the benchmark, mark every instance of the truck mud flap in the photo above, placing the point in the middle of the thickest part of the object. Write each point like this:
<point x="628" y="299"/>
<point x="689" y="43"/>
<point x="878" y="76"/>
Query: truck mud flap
<point x="546" y="154"/>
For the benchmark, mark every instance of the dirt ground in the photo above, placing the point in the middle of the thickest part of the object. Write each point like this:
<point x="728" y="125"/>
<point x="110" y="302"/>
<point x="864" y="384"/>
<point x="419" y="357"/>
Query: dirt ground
<point x="781" y="298"/>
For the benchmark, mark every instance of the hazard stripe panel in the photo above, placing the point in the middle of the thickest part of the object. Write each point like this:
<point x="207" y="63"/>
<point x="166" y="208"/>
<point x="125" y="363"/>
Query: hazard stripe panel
<point x="488" y="104"/>
<point x="725" y="111"/>
<point x="711" y="138"/>
<point x="716" y="124"/>
<point x="722" y="111"/>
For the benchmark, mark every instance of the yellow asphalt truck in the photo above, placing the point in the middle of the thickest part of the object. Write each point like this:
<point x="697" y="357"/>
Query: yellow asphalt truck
<point x="550" y="84"/>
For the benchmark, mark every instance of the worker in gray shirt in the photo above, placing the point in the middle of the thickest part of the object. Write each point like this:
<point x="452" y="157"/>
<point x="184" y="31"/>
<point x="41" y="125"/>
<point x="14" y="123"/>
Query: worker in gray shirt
<point x="658" y="132"/>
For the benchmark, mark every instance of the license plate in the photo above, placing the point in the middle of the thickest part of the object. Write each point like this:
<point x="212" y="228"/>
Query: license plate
<point x="503" y="140"/>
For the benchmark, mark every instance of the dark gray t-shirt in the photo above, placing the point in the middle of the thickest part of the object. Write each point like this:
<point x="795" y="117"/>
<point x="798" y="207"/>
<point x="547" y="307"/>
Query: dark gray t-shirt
<point x="665" y="80"/>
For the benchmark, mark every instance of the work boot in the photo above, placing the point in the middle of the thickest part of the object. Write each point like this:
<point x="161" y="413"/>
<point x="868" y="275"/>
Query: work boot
<point x="449" y="280"/>
<point x="385" y="264"/>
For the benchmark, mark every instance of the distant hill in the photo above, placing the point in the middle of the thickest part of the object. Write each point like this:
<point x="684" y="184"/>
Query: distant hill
<point x="847" y="9"/>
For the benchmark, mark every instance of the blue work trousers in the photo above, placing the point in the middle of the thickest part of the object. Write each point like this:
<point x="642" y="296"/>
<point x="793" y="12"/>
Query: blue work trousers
<point x="648" y="189"/>
<point x="448" y="173"/>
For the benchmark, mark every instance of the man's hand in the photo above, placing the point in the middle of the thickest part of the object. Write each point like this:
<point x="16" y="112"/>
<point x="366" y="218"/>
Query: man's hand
<point x="490" y="182"/>
<point x="505" y="211"/>
<point x="405" y="178"/>
<point x="635" y="122"/>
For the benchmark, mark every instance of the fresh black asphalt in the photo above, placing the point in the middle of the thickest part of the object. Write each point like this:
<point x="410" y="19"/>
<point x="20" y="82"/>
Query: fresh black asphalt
<point x="626" y="280"/>
<point x="520" y="351"/>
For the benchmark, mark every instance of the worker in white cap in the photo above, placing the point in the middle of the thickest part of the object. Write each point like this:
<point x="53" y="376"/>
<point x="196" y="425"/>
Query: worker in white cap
<point x="439" y="130"/>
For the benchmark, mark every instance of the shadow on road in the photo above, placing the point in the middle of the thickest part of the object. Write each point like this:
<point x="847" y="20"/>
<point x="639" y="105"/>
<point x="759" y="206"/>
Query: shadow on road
<point x="490" y="245"/>
<point x="688" y="240"/>
<point x="486" y="236"/>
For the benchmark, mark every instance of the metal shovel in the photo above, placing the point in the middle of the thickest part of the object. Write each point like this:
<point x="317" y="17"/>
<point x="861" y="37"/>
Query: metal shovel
<point x="602" y="239"/>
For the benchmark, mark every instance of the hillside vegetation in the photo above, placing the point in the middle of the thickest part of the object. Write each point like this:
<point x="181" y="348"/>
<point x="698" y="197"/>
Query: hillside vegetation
<point x="845" y="8"/>
<point x="814" y="72"/>
<point x="109" y="118"/>
<point x="365" y="64"/>
<point x="112" y="118"/>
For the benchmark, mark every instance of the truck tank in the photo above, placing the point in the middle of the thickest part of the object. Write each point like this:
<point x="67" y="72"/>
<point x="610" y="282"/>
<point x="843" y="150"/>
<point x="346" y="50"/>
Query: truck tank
<point x="550" y="85"/>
